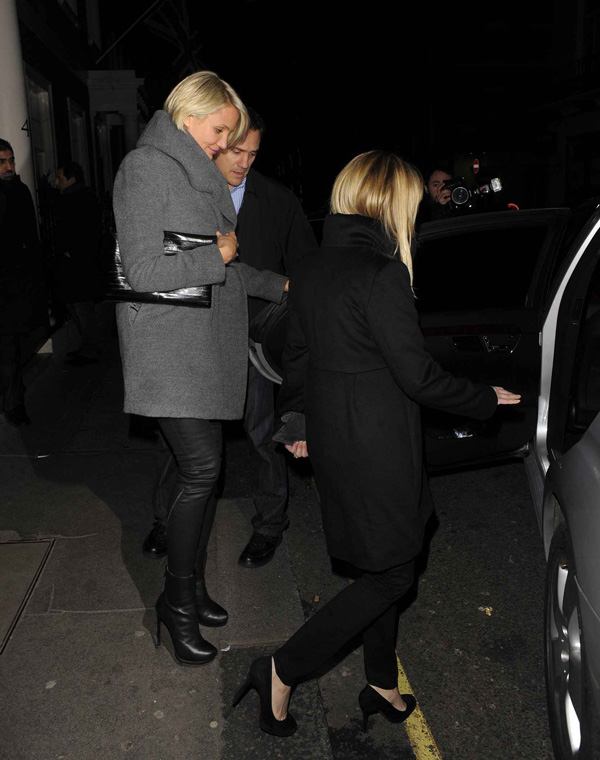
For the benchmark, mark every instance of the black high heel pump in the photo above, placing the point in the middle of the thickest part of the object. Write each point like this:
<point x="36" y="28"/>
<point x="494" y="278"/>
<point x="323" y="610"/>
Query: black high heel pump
<point x="259" y="678"/>
<point x="371" y="702"/>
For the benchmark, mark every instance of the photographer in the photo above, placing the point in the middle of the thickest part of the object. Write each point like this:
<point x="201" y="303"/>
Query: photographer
<point x="434" y="205"/>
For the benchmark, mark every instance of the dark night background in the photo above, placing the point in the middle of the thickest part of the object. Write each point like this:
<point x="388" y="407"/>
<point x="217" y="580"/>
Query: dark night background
<point x="332" y="80"/>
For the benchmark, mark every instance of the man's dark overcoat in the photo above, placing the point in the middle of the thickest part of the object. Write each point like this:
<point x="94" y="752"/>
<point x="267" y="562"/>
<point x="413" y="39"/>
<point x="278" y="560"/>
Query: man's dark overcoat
<point x="78" y="241"/>
<point x="22" y="294"/>
<point x="355" y="363"/>
<point x="272" y="230"/>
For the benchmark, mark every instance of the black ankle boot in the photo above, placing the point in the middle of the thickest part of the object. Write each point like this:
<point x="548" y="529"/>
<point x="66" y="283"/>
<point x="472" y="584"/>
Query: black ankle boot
<point x="209" y="612"/>
<point x="176" y="608"/>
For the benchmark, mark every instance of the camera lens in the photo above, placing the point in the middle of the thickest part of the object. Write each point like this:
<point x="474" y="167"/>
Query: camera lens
<point x="460" y="196"/>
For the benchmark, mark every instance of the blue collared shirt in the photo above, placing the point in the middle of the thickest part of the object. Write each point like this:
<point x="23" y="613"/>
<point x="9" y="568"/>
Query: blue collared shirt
<point x="237" y="195"/>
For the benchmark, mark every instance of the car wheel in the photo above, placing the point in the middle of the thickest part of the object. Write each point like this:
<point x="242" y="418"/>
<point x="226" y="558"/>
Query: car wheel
<point x="574" y="724"/>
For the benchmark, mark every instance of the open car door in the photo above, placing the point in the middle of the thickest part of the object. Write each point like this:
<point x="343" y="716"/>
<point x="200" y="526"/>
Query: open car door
<point x="480" y="283"/>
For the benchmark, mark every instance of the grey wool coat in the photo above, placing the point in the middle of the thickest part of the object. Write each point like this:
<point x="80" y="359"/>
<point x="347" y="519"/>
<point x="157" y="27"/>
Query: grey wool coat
<point x="180" y="361"/>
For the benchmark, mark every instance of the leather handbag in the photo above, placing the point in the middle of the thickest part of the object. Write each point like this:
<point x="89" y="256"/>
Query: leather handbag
<point x="200" y="296"/>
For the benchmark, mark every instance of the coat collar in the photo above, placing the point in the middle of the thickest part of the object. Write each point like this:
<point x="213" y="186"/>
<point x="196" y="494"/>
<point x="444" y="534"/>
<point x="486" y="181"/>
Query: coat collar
<point x="251" y="182"/>
<point x="203" y="174"/>
<point x="341" y="230"/>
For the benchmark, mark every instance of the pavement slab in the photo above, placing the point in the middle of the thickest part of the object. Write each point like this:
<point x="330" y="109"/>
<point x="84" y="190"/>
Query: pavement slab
<point x="264" y="604"/>
<point x="90" y="686"/>
<point x="20" y="563"/>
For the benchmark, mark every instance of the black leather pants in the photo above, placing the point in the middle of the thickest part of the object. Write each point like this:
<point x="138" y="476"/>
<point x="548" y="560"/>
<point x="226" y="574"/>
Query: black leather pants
<point x="368" y="606"/>
<point x="196" y="446"/>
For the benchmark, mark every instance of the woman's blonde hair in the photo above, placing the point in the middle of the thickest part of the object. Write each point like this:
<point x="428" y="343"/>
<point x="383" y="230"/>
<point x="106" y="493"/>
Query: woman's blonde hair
<point x="201" y="94"/>
<point x="382" y="186"/>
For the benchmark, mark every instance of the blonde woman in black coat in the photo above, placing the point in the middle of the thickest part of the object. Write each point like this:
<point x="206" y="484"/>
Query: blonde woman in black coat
<point x="356" y="366"/>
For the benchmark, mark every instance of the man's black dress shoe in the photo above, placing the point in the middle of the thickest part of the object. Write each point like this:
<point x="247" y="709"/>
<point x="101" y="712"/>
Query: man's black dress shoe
<point x="17" y="417"/>
<point x="259" y="550"/>
<point x="155" y="545"/>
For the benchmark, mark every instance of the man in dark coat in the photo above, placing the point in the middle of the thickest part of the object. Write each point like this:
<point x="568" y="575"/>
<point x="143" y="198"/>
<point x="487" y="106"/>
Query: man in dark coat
<point x="22" y="295"/>
<point x="436" y="198"/>
<point x="273" y="234"/>
<point x="78" y="238"/>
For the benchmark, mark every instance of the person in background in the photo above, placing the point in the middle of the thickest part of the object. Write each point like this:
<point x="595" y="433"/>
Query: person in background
<point x="436" y="197"/>
<point x="22" y="292"/>
<point x="77" y="246"/>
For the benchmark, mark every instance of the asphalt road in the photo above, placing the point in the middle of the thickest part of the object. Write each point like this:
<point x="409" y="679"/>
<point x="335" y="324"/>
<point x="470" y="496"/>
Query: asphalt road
<point x="471" y="638"/>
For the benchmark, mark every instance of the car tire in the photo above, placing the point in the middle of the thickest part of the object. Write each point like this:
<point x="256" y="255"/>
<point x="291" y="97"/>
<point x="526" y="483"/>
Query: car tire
<point x="574" y="724"/>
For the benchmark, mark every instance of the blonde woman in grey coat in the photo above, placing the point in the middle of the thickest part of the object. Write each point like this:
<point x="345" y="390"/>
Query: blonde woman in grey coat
<point x="186" y="366"/>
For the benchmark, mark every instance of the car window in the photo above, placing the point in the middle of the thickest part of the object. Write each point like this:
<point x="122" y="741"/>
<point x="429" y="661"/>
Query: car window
<point x="477" y="269"/>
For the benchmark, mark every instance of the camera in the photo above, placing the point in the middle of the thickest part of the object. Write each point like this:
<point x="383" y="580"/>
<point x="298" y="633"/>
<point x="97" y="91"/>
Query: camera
<point x="464" y="197"/>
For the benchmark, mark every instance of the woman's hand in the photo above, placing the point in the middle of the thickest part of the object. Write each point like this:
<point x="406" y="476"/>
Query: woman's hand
<point x="286" y="287"/>
<point x="228" y="245"/>
<point x="506" y="397"/>
<point x="298" y="449"/>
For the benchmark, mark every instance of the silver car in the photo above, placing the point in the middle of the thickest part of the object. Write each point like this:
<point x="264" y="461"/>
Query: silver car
<point x="513" y="299"/>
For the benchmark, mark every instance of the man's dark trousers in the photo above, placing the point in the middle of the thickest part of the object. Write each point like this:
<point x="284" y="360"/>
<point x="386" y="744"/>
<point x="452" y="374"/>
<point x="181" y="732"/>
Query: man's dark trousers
<point x="270" y="495"/>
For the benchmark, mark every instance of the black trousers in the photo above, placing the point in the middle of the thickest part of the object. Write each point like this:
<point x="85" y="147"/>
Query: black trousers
<point x="12" y="390"/>
<point x="196" y="446"/>
<point x="271" y="489"/>
<point x="368" y="606"/>
<point x="84" y="318"/>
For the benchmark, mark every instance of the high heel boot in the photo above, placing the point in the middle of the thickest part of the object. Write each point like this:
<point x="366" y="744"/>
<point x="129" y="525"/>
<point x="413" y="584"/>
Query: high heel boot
<point x="371" y="701"/>
<point x="209" y="612"/>
<point x="259" y="678"/>
<point x="175" y="607"/>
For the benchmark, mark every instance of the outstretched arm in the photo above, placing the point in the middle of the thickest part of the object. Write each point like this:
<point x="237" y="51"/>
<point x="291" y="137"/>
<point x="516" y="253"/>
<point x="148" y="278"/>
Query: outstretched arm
<point x="393" y="320"/>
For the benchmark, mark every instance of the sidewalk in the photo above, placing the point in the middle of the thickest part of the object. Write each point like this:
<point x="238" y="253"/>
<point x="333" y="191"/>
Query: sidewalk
<point x="81" y="675"/>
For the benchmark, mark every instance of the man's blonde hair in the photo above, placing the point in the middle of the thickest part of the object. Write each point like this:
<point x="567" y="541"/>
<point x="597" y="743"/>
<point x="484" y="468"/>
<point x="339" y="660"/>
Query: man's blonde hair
<point x="201" y="94"/>
<point x="382" y="186"/>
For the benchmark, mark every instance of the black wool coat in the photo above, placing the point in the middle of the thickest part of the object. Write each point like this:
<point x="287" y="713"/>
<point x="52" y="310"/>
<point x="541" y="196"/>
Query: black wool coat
<point x="22" y="291"/>
<point x="272" y="230"/>
<point x="356" y="365"/>
<point x="77" y="243"/>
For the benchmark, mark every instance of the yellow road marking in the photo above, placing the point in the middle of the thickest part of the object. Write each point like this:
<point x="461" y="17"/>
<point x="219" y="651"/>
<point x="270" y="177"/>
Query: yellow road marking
<point x="419" y="734"/>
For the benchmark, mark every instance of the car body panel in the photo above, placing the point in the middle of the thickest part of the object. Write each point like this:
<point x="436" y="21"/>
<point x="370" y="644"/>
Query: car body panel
<point x="586" y="246"/>
<point x="572" y="486"/>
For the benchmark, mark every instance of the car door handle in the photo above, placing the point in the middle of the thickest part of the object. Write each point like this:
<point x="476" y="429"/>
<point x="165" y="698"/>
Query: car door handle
<point x="497" y="344"/>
